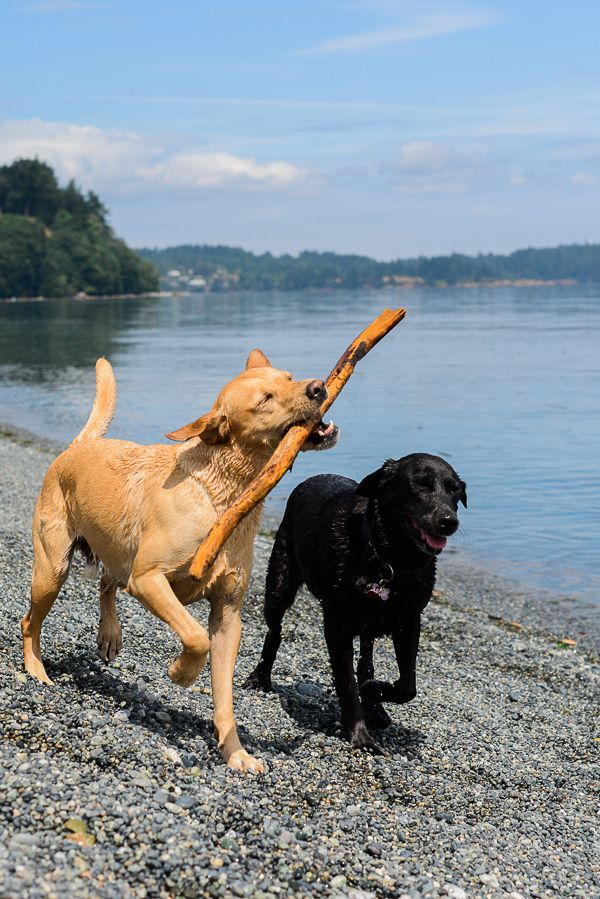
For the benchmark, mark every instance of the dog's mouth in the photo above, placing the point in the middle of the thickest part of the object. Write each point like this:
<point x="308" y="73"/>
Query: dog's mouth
<point x="432" y="543"/>
<point x="323" y="436"/>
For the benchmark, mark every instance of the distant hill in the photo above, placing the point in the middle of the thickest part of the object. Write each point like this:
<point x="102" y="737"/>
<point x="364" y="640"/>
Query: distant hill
<point x="225" y="268"/>
<point x="56" y="241"/>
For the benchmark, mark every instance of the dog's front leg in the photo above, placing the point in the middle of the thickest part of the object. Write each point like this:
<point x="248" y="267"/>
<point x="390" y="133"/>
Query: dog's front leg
<point x="341" y="654"/>
<point x="225" y="629"/>
<point x="375" y="713"/>
<point x="406" y="647"/>
<point x="154" y="592"/>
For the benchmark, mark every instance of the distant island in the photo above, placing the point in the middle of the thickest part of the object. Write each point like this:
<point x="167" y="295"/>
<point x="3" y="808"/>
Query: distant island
<point x="56" y="241"/>
<point x="219" y="268"/>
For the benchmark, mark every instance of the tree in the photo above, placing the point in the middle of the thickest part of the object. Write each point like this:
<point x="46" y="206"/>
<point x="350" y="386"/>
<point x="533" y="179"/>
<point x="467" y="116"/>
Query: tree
<point x="29" y="187"/>
<point x="56" y="241"/>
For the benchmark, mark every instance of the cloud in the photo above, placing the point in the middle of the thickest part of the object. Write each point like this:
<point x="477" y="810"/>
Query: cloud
<point x="127" y="161"/>
<point x="82" y="152"/>
<point x="439" y="167"/>
<point x="584" y="179"/>
<point x="427" y="23"/>
<point x="433" y="167"/>
<point x="217" y="170"/>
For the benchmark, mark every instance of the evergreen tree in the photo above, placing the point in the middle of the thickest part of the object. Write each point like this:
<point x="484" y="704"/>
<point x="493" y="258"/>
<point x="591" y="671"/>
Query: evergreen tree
<point x="56" y="241"/>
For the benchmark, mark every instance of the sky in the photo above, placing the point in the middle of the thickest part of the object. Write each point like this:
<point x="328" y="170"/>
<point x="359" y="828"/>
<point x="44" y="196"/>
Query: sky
<point x="391" y="128"/>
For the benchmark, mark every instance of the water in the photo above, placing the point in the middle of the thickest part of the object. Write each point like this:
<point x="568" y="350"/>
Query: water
<point x="504" y="383"/>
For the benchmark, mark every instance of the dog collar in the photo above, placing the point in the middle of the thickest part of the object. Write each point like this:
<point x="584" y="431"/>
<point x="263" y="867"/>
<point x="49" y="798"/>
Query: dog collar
<point x="377" y="589"/>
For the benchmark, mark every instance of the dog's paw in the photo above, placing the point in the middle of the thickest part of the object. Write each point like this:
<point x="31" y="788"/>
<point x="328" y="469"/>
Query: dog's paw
<point x="372" y="691"/>
<point x="186" y="668"/>
<point x="240" y="760"/>
<point x="259" y="680"/>
<point x="36" y="669"/>
<point x="377" y="716"/>
<point x="360" y="738"/>
<point x="109" y="640"/>
<point x="405" y="688"/>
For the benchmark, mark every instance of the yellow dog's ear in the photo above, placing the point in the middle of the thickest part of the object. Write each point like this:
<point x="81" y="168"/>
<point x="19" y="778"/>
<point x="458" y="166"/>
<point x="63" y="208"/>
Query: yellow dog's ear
<point x="212" y="428"/>
<point x="257" y="359"/>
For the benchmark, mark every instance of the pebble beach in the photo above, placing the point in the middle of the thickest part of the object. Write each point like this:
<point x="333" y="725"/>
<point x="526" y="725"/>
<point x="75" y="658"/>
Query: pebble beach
<point x="112" y="785"/>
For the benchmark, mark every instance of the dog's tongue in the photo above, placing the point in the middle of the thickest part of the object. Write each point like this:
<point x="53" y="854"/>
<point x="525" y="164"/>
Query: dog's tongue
<point x="434" y="542"/>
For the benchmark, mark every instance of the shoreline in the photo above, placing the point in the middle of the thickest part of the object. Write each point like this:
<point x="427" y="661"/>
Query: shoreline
<point x="113" y="786"/>
<point x="460" y="580"/>
<point x="494" y="284"/>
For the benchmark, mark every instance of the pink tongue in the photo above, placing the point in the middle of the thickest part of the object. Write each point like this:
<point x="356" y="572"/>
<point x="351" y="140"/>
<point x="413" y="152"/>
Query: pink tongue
<point x="434" y="542"/>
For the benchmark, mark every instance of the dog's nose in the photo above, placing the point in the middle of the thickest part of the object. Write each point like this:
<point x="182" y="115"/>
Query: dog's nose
<point x="447" y="524"/>
<point x="316" y="390"/>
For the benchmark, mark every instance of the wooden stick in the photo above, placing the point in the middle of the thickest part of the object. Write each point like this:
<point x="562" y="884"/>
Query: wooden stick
<point x="283" y="457"/>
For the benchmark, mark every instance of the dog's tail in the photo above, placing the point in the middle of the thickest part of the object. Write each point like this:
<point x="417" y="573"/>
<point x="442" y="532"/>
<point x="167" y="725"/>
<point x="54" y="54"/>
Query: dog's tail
<point x="283" y="576"/>
<point x="104" y="404"/>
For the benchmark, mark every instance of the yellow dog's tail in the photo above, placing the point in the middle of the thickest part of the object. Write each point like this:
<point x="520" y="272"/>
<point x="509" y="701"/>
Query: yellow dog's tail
<point x="104" y="404"/>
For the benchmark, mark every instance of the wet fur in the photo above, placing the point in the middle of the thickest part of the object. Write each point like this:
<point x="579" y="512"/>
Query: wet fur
<point x="142" y="511"/>
<point x="330" y="527"/>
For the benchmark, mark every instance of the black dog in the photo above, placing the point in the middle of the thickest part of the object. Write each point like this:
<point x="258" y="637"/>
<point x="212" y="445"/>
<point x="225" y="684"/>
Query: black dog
<point x="367" y="552"/>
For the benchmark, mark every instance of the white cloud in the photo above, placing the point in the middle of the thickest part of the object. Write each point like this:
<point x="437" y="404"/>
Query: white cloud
<point x="584" y="179"/>
<point x="426" y="23"/>
<point x="126" y="160"/>
<point x="83" y="152"/>
<point x="215" y="170"/>
<point x="517" y="179"/>
<point x="433" y="167"/>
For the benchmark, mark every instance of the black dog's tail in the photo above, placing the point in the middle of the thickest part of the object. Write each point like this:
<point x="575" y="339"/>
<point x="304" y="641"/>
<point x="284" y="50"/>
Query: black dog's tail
<point x="283" y="576"/>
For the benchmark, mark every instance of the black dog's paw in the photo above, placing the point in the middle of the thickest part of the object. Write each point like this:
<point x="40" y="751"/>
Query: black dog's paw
<point x="360" y="738"/>
<point x="372" y="691"/>
<point x="377" y="716"/>
<point x="259" y="680"/>
<point x="407" y="695"/>
<point x="405" y="688"/>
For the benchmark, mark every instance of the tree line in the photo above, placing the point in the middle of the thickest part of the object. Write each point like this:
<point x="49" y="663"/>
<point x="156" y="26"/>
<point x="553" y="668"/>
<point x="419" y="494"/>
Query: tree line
<point x="226" y="267"/>
<point x="56" y="241"/>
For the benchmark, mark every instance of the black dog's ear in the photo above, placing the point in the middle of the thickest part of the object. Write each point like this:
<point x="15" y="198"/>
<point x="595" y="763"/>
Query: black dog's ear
<point x="372" y="483"/>
<point x="463" y="494"/>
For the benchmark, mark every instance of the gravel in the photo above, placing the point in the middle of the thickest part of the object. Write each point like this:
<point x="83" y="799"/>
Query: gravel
<point x="112" y="785"/>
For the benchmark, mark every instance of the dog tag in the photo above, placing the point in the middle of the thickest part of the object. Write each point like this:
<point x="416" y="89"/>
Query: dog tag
<point x="378" y="591"/>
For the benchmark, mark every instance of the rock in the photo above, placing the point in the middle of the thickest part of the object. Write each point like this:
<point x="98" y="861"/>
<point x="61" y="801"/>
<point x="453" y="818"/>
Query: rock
<point x="172" y="755"/>
<point x="310" y="690"/>
<point x="454" y="891"/>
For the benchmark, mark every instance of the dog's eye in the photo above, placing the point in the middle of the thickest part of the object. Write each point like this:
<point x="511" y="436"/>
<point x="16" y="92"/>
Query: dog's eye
<point x="266" y="398"/>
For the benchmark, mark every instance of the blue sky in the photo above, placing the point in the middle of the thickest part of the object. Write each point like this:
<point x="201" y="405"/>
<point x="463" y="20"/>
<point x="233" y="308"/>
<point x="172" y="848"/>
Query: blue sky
<point x="386" y="127"/>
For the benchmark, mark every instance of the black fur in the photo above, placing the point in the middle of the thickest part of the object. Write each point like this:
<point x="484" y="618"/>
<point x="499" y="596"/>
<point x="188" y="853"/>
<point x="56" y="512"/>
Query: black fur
<point x="341" y="538"/>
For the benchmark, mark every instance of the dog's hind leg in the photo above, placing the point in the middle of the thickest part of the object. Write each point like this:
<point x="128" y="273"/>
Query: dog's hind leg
<point x="52" y="548"/>
<point x="110" y="635"/>
<point x="283" y="581"/>
<point x="376" y="715"/>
